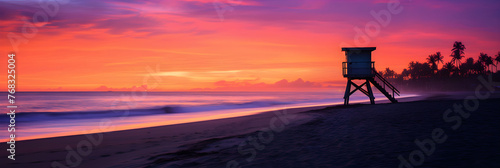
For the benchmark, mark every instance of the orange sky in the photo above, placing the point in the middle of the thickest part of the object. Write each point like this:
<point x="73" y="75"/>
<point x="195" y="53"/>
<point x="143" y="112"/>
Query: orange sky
<point x="184" y="45"/>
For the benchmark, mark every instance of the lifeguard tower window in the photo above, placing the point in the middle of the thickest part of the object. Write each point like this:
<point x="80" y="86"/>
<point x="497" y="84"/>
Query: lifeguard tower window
<point x="358" y="62"/>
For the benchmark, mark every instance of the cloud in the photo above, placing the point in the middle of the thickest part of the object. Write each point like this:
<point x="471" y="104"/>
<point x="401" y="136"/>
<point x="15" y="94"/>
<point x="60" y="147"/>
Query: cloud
<point x="133" y="88"/>
<point x="299" y="83"/>
<point x="148" y="18"/>
<point x="279" y="85"/>
<point x="117" y="17"/>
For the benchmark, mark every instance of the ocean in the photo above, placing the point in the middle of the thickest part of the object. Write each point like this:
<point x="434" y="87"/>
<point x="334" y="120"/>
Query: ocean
<point x="53" y="114"/>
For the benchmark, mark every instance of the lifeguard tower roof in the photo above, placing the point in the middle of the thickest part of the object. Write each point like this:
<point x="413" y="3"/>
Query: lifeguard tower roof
<point x="358" y="48"/>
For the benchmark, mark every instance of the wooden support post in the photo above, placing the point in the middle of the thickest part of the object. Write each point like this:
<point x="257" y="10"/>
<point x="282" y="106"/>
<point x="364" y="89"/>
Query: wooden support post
<point x="368" y="92"/>
<point x="347" y="92"/>
<point x="372" y="98"/>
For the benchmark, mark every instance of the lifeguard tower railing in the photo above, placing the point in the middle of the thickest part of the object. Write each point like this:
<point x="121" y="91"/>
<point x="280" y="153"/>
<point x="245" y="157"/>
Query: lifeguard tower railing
<point x="385" y="83"/>
<point x="359" y="70"/>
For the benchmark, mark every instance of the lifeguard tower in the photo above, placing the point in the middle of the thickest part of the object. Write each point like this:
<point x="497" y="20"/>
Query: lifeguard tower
<point x="359" y="66"/>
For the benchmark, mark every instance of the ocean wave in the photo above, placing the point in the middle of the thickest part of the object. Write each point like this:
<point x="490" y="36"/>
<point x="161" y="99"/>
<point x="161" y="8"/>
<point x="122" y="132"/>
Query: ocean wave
<point x="75" y="115"/>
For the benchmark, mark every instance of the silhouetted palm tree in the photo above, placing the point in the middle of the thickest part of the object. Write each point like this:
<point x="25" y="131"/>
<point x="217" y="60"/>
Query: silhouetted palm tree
<point x="389" y="73"/>
<point x="431" y="59"/>
<point x="418" y="70"/>
<point x="457" y="53"/>
<point x="497" y="59"/>
<point x="467" y="66"/>
<point x="448" y="68"/>
<point x="485" y="60"/>
<point x="411" y="65"/>
<point x="439" y="57"/>
<point x="405" y="73"/>
<point x="489" y="62"/>
<point x="478" y="67"/>
<point x="434" y="60"/>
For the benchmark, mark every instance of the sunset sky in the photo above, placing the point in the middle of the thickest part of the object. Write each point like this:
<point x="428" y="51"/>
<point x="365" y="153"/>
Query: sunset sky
<point x="100" y="45"/>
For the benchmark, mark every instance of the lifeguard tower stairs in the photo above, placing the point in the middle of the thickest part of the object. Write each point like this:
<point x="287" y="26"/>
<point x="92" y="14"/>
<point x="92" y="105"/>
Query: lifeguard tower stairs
<point x="359" y="66"/>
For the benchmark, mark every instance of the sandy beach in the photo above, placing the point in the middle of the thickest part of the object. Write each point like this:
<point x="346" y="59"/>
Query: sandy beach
<point x="359" y="135"/>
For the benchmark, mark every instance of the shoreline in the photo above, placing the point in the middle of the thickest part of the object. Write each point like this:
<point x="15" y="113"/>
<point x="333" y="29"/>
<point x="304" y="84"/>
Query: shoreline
<point x="108" y="126"/>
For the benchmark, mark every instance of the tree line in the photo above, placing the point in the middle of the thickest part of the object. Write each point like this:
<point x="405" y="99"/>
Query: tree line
<point x="484" y="64"/>
<point x="458" y="70"/>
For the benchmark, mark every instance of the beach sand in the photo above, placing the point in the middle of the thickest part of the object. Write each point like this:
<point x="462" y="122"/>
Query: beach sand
<point x="359" y="135"/>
